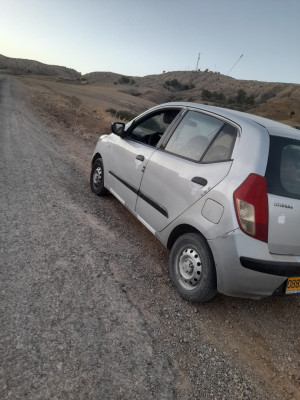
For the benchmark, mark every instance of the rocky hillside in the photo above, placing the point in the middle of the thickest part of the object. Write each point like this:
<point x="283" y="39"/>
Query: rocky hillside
<point x="18" y="66"/>
<point x="279" y="101"/>
<point x="275" y="100"/>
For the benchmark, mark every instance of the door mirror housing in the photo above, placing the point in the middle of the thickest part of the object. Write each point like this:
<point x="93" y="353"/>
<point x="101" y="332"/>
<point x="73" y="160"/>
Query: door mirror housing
<point x="118" y="128"/>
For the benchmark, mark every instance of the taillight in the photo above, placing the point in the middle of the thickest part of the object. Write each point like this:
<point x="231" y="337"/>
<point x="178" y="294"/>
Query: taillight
<point x="251" y="207"/>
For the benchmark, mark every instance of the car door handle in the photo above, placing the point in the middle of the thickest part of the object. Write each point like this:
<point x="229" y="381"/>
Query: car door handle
<point x="140" y="157"/>
<point x="199" y="180"/>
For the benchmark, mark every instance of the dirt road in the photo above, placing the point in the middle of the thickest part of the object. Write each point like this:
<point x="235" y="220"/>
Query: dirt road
<point x="86" y="306"/>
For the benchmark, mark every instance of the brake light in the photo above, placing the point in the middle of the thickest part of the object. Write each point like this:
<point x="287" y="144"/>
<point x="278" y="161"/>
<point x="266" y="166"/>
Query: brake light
<point x="251" y="207"/>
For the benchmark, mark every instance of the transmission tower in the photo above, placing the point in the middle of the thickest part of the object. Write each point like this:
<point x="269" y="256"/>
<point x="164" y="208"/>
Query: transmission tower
<point x="234" y="64"/>
<point x="198" y="62"/>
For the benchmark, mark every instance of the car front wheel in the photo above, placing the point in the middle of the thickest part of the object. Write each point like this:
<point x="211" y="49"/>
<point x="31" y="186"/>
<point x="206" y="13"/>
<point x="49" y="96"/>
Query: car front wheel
<point x="192" y="269"/>
<point x="97" y="178"/>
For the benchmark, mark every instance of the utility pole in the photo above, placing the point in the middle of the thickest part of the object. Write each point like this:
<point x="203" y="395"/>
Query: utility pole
<point x="198" y="62"/>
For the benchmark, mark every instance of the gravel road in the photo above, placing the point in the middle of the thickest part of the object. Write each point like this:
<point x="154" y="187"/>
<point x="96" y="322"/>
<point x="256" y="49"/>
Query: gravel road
<point x="87" y="310"/>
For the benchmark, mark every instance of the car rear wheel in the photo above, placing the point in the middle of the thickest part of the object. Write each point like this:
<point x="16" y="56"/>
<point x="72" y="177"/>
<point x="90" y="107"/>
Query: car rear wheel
<point x="97" y="178"/>
<point x="192" y="269"/>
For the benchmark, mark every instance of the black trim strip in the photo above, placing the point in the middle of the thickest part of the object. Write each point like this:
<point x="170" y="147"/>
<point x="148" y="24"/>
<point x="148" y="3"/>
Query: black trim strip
<point x="147" y="199"/>
<point x="152" y="203"/>
<point x="271" y="267"/>
<point x="133" y="189"/>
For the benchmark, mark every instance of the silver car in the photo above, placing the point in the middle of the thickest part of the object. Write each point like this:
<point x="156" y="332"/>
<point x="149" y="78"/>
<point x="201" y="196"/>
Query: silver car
<point x="219" y="188"/>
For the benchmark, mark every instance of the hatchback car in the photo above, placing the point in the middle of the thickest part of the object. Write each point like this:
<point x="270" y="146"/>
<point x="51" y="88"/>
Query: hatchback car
<point x="219" y="188"/>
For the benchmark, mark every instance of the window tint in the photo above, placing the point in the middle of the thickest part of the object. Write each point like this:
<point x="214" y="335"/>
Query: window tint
<point x="283" y="170"/>
<point x="151" y="129"/>
<point x="222" y="146"/>
<point x="193" y="135"/>
<point x="290" y="169"/>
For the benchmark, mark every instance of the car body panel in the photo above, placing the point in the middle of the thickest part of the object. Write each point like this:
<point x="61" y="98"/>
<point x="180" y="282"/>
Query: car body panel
<point x="168" y="181"/>
<point x="159" y="191"/>
<point x="235" y="280"/>
<point x="284" y="225"/>
<point x="125" y="161"/>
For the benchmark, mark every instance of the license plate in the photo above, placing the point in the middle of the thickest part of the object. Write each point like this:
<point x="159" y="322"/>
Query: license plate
<point x="293" y="286"/>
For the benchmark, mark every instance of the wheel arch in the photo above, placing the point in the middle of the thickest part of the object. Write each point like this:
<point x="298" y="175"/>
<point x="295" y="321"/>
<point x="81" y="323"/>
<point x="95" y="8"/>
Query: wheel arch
<point x="179" y="231"/>
<point x="96" y="156"/>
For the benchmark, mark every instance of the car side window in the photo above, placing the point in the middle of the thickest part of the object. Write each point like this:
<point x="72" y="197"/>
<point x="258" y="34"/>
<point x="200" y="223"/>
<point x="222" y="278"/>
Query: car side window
<point x="221" y="148"/>
<point x="151" y="129"/>
<point x="193" y="135"/>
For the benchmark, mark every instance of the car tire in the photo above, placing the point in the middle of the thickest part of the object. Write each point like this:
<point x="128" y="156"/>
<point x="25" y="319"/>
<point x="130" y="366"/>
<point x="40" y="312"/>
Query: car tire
<point x="97" y="178"/>
<point x="192" y="268"/>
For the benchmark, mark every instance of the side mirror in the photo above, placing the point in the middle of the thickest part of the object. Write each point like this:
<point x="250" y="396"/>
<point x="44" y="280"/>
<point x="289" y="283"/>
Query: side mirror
<point x="118" y="128"/>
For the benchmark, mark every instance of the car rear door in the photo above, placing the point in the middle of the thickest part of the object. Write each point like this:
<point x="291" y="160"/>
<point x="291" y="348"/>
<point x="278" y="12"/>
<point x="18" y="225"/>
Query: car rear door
<point x="194" y="160"/>
<point x="283" y="182"/>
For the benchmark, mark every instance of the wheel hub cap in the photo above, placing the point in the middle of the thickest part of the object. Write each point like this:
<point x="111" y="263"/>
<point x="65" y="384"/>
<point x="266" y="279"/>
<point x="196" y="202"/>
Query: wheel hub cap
<point x="190" y="267"/>
<point x="97" y="176"/>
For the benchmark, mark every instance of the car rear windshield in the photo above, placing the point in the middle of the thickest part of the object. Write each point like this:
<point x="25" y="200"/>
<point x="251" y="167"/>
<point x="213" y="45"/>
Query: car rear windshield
<point x="283" y="170"/>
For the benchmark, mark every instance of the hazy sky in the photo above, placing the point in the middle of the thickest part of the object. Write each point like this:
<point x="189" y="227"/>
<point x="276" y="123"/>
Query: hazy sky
<point x="142" y="37"/>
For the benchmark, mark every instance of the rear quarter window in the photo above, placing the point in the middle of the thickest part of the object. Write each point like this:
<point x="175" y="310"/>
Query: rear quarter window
<point x="283" y="169"/>
<point x="222" y="146"/>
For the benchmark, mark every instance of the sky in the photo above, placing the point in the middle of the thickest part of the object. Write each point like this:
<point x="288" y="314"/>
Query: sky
<point x="245" y="39"/>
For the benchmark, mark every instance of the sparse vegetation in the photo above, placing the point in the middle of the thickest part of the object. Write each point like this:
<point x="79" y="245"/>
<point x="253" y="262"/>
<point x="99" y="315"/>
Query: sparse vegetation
<point x="121" y="114"/>
<point x="175" y="85"/>
<point x="241" y="101"/>
<point x="241" y="96"/>
<point x="207" y="95"/>
<point x="125" y="80"/>
<point x="266" y="96"/>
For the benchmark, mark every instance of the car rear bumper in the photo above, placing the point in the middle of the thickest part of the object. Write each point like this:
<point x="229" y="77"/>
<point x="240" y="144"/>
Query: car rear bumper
<point x="271" y="267"/>
<point x="241" y="275"/>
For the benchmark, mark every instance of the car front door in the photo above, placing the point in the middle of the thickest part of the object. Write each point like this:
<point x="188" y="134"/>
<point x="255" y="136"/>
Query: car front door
<point x="129" y="156"/>
<point x="194" y="160"/>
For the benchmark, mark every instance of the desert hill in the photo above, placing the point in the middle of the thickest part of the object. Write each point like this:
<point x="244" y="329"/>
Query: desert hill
<point x="275" y="100"/>
<point x="188" y="85"/>
<point x="19" y="66"/>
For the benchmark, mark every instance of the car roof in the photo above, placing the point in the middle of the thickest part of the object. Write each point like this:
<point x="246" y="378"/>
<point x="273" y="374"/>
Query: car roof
<point x="240" y="117"/>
